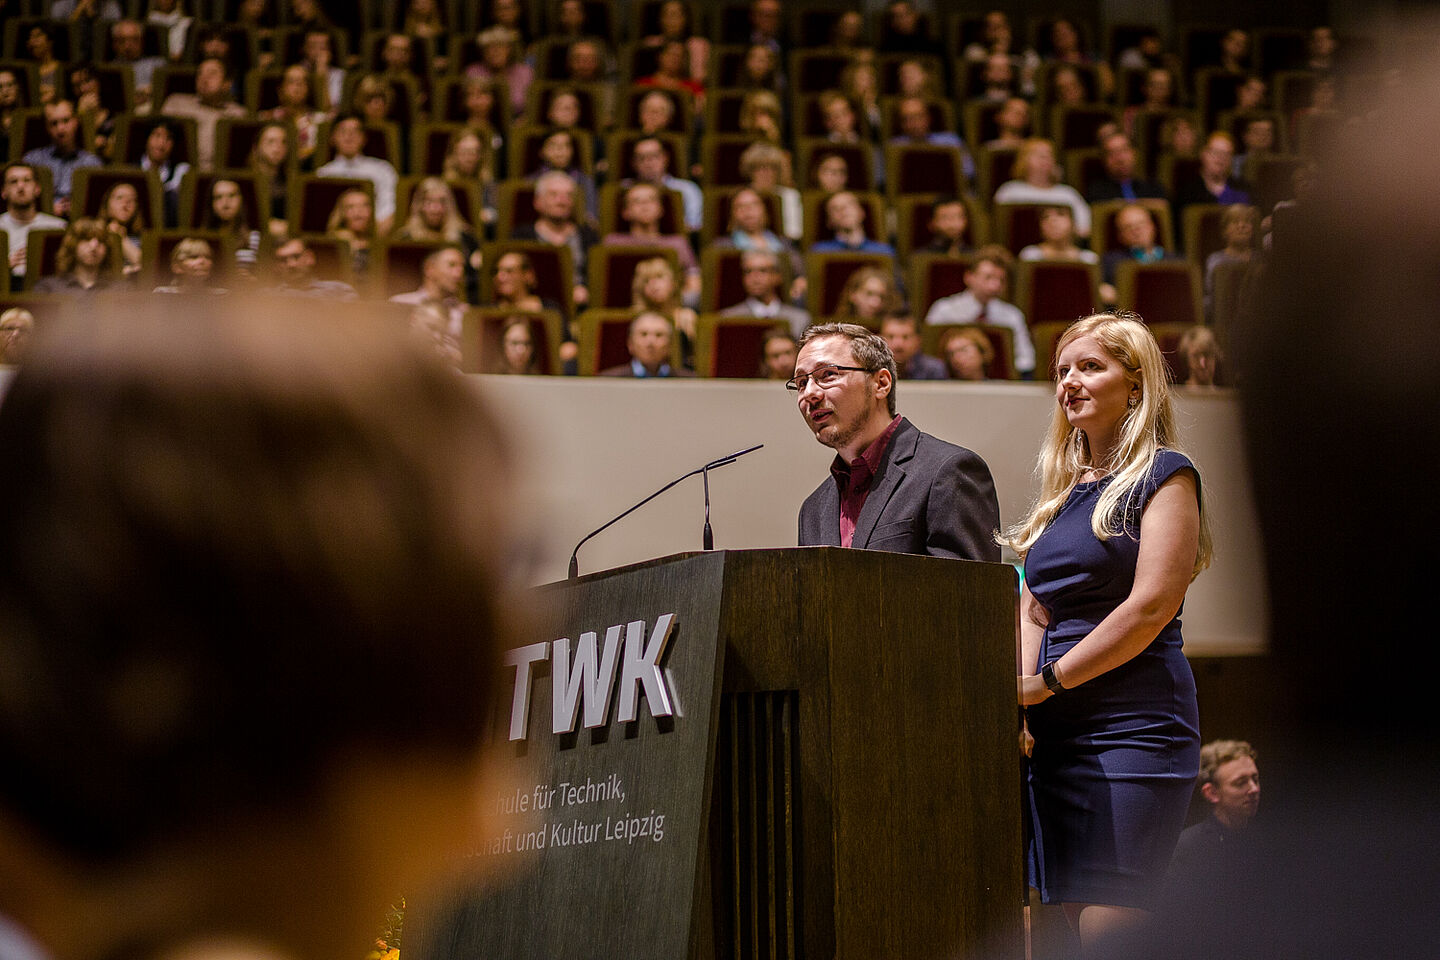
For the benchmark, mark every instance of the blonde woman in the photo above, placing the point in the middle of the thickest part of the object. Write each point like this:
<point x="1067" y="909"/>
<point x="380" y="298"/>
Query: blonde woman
<point x="1110" y="545"/>
<point x="1037" y="180"/>
<point x="656" y="289"/>
<point x="766" y="167"/>
<point x="353" y="220"/>
<point x="435" y="217"/>
<point x="471" y="159"/>
<point x="761" y="116"/>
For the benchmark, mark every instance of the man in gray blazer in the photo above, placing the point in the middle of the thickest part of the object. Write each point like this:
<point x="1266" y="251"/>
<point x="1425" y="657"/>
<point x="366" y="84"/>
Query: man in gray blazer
<point x="891" y="487"/>
<point x="762" y="277"/>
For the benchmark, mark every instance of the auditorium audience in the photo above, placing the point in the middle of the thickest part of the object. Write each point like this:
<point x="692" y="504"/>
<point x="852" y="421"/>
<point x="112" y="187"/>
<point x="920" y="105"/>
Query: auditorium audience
<point x="1201" y="355"/>
<point x="980" y="303"/>
<point x="517" y="349"/>
<point x="845" y="216"/>
<point x="20" y="189"/>
<point x="766" y="167"/>
<point x="514" y="284"/>
<point x="1135" y="226"/>
<point x="869" y="295"/>
<point x="967" y="352"/>
<point x="832" y="173"/>
<point x="675" y="26"/>
<point x="271" y="164"/>
<point x="470" y="159"/>
<point x="11" y="101"/>
<point x="949" y="228"/>
<point x="312" y="86"/>
<point x="1012" y="124"/>
<point x="40" y="50"/>
<point x="1037" y="180"/>
<point x="191" y="264"/>
<point x="1218" y="851"/>
<point x="347" y="139"/>
<point x="211" y="101"/>
<point x="352" y="221"/>
<point x="560" y="152"/>
<point x="651" y="162"/>
<point x="655" y="289"/>
<point x="556" y="223"/>
<point x="763" y="279"/>
<point x="500" y="60"/>
<point x="226" y="213"/>
<point x="642" y="210"/>
<point x="63" y="155"/>
<point x="127" y="45"/>
<point x="1215" y="181"/>
<point x="1057" y="238"/>
<point x="435" y="217"/>
<point x="777" y="354"/>
<point x="299" y="107"/>
<point x="902" y="336"/>
<point x="650" y="342"/>
<point x="1238" y="227"/>
<point x="120" y="212"/>
<point x="1120" y="181"/>
<point x="913" y="114"/>
<point x="750" y="230"/>
<point x="295" y="266"/>
<point x="159" y="156"/>
<point x="84" y="263"/>
<point x="442" y="281"/>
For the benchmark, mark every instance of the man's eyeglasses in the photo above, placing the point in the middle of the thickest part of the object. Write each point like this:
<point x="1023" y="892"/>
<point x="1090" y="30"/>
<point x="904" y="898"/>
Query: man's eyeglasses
<point x="824" y="377"/>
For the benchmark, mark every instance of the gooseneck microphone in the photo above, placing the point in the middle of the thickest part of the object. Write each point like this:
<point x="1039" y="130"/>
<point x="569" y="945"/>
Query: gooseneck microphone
<point x="704" y="471"/>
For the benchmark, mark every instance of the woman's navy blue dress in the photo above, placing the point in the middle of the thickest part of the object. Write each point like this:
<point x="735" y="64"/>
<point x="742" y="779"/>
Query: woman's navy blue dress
<point x="1115" y="759"/>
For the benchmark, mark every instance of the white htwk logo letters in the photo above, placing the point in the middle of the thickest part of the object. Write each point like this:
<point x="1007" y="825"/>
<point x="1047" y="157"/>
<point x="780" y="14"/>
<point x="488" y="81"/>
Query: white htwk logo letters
<point x="590" y="677"/>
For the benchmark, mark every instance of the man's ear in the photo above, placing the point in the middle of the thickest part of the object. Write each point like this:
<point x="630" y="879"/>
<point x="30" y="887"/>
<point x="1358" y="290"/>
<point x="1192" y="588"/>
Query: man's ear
<point x="883" y="383"/>
<point x="1207" y="790"/>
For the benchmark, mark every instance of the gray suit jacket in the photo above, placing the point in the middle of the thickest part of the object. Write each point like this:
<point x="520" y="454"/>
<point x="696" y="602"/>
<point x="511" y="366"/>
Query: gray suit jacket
<point x="929" y="497"/>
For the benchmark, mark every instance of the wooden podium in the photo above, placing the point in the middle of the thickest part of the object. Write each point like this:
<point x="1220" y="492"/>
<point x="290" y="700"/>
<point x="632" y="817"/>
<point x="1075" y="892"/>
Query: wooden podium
<point x="839" y="775"/>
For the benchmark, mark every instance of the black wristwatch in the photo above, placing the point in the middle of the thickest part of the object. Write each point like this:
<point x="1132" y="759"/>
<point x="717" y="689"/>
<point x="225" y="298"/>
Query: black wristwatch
<point x="1047" y="673"/>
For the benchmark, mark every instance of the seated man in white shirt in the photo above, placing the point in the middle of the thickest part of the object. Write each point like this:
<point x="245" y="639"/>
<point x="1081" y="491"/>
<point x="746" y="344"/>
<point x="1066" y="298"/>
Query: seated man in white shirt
<point x="347" y="139"/>
<point x="980" y="302"/>
<point x="762" y="277"/>
<point x="20" y="189"/>
<point x="441" y="284"/>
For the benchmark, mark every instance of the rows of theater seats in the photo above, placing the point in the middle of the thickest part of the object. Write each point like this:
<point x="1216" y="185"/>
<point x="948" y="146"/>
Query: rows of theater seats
<point x="1048" y="293"/>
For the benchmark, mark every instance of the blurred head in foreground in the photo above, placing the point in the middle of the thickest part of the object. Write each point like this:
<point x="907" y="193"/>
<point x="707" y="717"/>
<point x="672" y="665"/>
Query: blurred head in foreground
<point x="249" y="608"/>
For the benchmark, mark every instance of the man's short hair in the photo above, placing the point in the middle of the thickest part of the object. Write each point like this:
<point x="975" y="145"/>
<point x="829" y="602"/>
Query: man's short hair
<point x="442" y="248"/>
<point x="553" y="176"/>
<point x="901" y="315"/>
<point x="643" y="314"/>
<point x="14" y="164"/>
<point x="1217" y="753"/>
<point x="996" y="254"/>
<point x="342" y="117"/>
<point x="870" y="350"/>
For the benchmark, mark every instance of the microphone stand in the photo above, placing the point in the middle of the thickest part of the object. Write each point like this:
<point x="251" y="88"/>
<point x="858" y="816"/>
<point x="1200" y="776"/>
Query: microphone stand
<point x="703" y="470"/>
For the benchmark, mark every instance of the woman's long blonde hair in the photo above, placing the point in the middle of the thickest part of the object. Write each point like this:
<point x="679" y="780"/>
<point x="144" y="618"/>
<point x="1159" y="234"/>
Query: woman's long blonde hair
<point x="1146" y="428"/>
